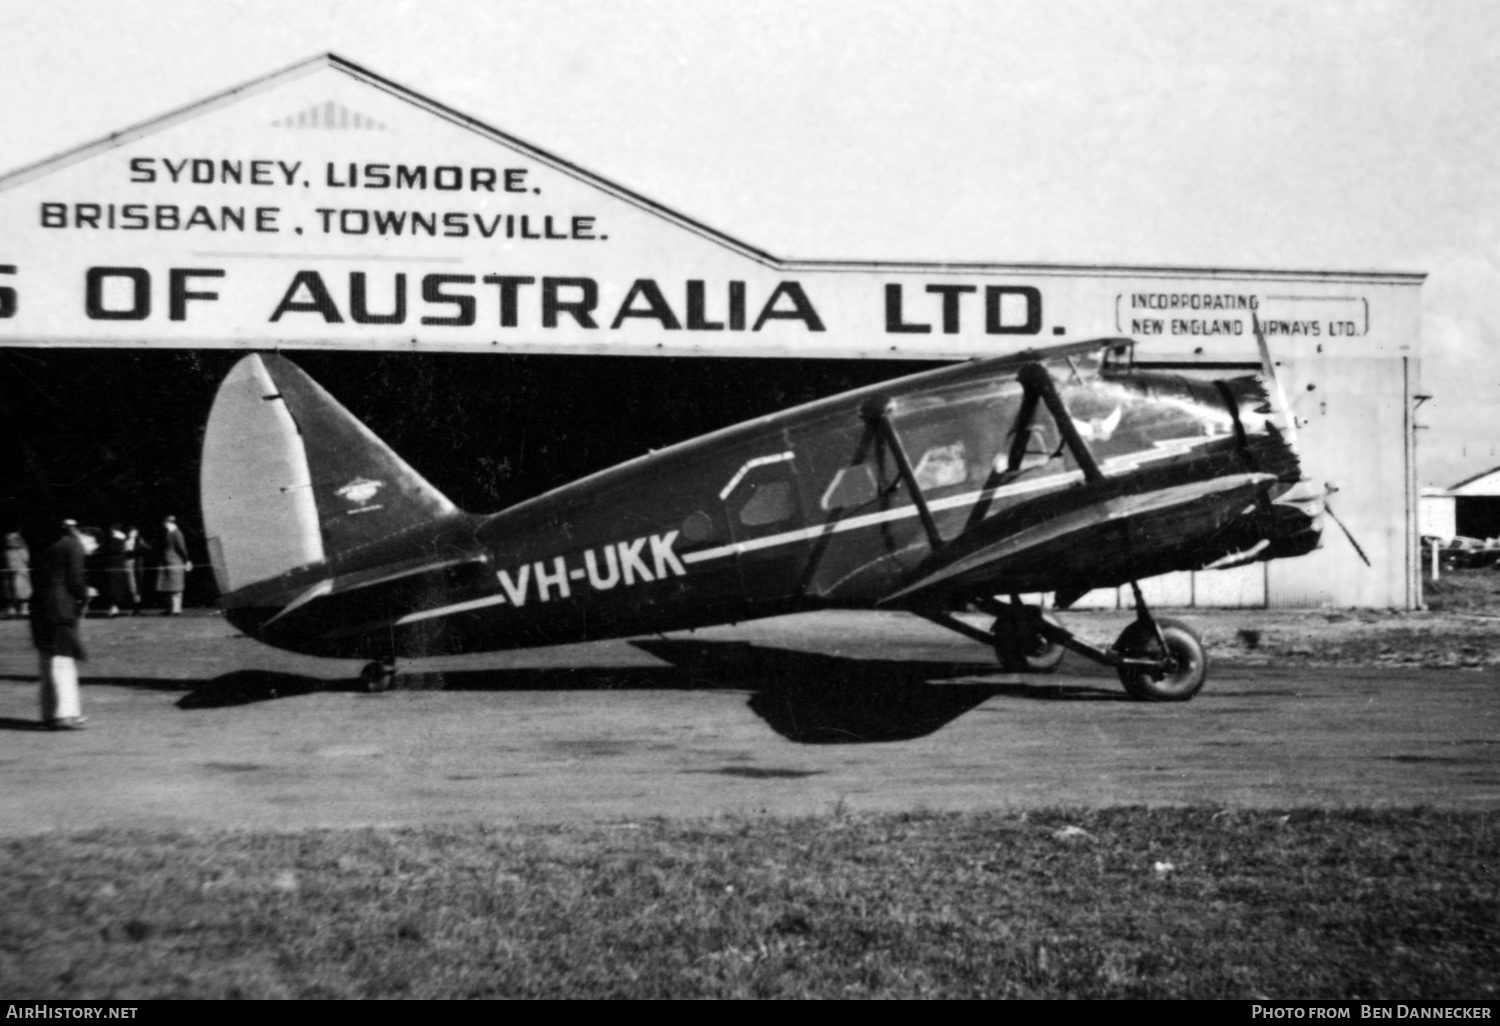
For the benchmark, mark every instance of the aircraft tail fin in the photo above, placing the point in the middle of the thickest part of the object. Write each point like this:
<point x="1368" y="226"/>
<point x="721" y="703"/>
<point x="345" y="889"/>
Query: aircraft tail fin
<point x="291" y="477"/>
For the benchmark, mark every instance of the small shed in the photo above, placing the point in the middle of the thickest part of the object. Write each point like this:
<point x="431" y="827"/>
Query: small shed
<point x="1476" y="505"/>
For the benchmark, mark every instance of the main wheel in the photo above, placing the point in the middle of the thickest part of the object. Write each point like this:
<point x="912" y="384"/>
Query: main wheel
<point x="1185" y="663"/>
<point x="1021" y="648"/>
<point x="377" y="677"/>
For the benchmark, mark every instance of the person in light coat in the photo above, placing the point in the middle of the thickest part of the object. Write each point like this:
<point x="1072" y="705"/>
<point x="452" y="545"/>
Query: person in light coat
<point x="171" y="573"/>
<point x="15" y="576"/>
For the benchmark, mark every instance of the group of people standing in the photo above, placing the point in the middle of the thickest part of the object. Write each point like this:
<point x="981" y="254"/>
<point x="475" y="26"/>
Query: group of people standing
<point x="124" y="554"/>
<point x="55" y="595"/>
<point x="122" y="571"/>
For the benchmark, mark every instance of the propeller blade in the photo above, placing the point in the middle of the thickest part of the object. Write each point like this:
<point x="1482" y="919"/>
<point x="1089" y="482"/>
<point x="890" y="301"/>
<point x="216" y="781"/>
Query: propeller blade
<point x="1269" y="368"/>
<point x="1347" y="533"/>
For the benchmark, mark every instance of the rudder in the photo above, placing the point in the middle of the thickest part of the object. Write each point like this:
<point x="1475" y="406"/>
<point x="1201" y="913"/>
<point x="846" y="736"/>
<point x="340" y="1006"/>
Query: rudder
<point x="290" y="477"/>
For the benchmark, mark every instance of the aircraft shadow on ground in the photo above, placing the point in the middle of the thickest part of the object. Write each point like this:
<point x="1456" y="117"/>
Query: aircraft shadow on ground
<point x="239" y="688"/>
<point x="11" y="723"/>
<point x="806" y="697"/>
<point x="813" y="698"/>
<point x="246" y="687"/>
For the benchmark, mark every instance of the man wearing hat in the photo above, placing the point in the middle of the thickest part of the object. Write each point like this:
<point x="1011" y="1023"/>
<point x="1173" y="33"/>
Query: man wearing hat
<point x="60" y="595"/>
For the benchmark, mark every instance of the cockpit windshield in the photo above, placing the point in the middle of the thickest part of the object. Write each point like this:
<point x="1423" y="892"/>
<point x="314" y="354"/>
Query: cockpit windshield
<point x="989" y="432"/>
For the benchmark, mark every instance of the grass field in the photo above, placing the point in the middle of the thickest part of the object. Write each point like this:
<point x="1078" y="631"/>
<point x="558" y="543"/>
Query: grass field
<point x="1473" y="590"/>
<point x="1111" y="903"/>
<point x="1169" y="903"/>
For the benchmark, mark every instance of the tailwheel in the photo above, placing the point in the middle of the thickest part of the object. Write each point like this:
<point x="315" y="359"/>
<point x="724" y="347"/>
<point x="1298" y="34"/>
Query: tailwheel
<point x="1022" y="648"/>
<point x="378" y="677"/>
<point x="1182" y="665"/>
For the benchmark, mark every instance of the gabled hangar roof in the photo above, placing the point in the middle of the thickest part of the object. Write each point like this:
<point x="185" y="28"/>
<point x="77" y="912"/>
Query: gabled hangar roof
<point x="1486" y="483"/>
<point x="333" y="61"/>
<point x="337" y="63"/>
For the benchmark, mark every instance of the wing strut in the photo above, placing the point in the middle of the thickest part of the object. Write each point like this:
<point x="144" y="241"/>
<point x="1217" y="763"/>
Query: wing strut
<point x="1035" y="379"/>
<point x="1021" y="432"/>
<point x="877" y="415"/>
<point x="1039" y="386"/>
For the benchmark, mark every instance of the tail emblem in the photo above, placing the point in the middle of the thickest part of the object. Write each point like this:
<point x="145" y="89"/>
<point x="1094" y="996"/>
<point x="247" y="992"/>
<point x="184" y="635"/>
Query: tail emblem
<point x="360" y="491"/>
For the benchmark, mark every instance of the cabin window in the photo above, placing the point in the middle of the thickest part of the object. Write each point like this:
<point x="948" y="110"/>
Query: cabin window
<point x="962" y="440"/>
<point x="942" y="466"/>
<point x="851" y="486"/>
<point x="771" y="502"/>
<point x="697" y="528"/>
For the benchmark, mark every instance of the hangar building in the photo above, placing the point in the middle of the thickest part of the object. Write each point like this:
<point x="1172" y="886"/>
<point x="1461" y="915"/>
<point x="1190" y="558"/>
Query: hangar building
<point x="324" y="207"/>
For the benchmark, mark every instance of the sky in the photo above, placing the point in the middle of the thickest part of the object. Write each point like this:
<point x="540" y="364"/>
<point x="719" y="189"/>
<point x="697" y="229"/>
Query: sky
<point x="1325" y="136"/>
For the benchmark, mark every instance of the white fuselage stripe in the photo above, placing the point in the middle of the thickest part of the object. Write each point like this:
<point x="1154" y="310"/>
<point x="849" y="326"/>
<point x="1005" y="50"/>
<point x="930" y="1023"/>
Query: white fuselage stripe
<point x="496" y="599"/>
<point x="885" y="516"/>
<point x="788" y="537"/>
<point x="1123" y="462"/>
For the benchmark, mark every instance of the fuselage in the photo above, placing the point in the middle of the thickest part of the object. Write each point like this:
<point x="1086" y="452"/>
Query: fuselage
<point x="810" y="508"/>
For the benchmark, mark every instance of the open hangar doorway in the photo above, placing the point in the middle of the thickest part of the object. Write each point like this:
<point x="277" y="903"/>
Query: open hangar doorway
<point x="102" y="435"/>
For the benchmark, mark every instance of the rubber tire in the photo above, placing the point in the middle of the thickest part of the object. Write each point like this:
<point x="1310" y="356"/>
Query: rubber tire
<point x="1022" y="651"/>
<point x="376" y="678"/>
<point x="1183" y="680"/>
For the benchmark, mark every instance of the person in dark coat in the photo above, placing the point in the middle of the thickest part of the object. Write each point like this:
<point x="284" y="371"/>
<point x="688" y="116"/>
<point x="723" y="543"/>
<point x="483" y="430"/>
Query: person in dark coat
<point x="137" y="552"/>
<point x="171" y="574"/>
<point x="60" y="594"/>
<point x="119" y="575"/>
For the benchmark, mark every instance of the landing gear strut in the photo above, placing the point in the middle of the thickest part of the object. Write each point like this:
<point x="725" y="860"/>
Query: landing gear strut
<point x="378" y="676"/>
<point x="1020" y="644"/>
<point x="1160" y="660"/>
<point x="1157" y="660"/>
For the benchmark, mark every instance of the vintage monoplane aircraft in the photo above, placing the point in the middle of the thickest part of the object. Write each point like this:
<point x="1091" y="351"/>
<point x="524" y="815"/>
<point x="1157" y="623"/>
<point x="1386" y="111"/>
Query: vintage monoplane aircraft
<point x="960" y="489"/>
